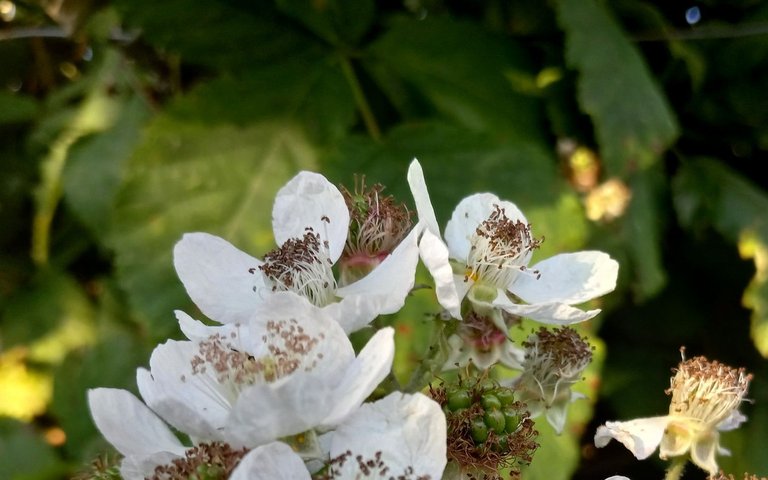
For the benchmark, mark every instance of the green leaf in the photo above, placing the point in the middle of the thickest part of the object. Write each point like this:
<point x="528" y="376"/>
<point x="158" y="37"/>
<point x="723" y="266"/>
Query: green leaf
<point x="708" y="193"/>
<point x="439" y="58"/>
<point x="338" y="22"/>
<point x="95" y="166"/>
<point x="633" y="121"/>
<point x="25" y="454"/>
<point x="187" y="177"/>
<point x="458" y="162"/>
<point x="219" y="34"/>
<point x="17" y="108"/>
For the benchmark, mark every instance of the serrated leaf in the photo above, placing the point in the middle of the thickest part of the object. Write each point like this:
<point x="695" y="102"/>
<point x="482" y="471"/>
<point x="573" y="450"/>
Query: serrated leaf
<point x="633" y="120"/>
<point x="339" y="22"/>
<point x="439" y="57"/>
<point x="707" y="191"/>
<point x="187" y="177"/>
<point x="218" y="34"/>
<point x="457" y="163"/>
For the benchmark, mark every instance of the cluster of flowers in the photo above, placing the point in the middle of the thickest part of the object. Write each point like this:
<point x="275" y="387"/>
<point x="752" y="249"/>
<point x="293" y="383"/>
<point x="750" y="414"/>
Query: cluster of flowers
<point x="275" y="389"/>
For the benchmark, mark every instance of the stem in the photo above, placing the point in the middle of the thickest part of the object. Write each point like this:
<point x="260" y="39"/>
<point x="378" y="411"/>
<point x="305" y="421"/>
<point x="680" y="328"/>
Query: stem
<point x="676" y="467"/>
<point x="362" y="104"/>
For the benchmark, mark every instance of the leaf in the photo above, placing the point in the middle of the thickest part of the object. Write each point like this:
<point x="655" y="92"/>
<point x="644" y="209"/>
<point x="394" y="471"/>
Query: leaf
<point x="439" y="57"/>
<point x="188" y="177"/>
<point x="17" y="108"/>
<point x="339" y="22"/>
<point x="457" y="163"/>
<point x="708" y="193"/>
<point x="218" y="34"/>
<point x="94" y="169"/>
<point x="25" y="455"/>
<point x="633" y="121"/>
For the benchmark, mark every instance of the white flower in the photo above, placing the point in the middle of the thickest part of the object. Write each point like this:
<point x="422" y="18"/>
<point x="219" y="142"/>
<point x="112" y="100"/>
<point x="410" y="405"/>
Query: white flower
<point x="488" y="245"/>
<point x="399" y="436"/>
<point x="705" y="399"/>
<point x="310" y="220"/>
<point x="287" y="370"/>
<point x="148" y="445"/>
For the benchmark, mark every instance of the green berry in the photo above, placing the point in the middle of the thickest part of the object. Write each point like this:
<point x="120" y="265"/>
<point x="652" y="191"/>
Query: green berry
<point x="479" y="430"/>
<point x="505" y="396"/>
<point x="494" y="419"/>
<point x="490" y="401"/>
<point x="459" y="399"/>
<point x="511" y="420"/>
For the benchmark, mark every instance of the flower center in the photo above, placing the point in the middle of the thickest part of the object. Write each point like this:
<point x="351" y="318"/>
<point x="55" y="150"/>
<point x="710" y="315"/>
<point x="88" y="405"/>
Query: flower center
<point x="302" y="265"/>
<point x="553" y="358"/>
<point x="373" y="467"/>
<point x="288" y="348"/>
<point x="500" y="250"/>
<point x="207" y="461"/>
<point x="377" y="225"/>
<point x="481" y="332"/>
<point x="707" y="391"/>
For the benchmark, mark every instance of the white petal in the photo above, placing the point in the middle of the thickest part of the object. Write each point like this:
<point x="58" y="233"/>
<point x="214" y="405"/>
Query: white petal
<point x="408" y="430"/>
<point x="131" y="427"/>
<point x="434" y="254"/>
<point x="703" y="453"/>
<point x="265" y="412"/>
<point x="732" y="421"/>
<point x="274" y="461"/>
<point x="468" y="214"/>
<point x="420" y="194"/>
<point x="309" y="200"/>
<point x="549" y="313"/>
<point x="140" y="467"/>
<point x="617" y="477"/>
<point x="557" y="414"/>
<point x="640" y="436"/>
<point x="569" y="278"/>
<point x="194" y="403"/>
<point x="386" y="287"/>
<point x="218" y="277"/>
<point x="362" y="377"/>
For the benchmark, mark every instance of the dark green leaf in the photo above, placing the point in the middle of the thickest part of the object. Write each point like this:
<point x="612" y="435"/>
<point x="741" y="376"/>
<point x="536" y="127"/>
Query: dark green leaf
<point x="339" y="22"/>
<point x="633" y="120"/>
<point x="16" y="108"/>
<point x="25" y="455"/>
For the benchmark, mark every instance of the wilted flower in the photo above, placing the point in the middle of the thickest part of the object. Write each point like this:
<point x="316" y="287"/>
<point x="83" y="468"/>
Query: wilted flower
<point x="705" y="399"/>
<point x="310" y="220"/>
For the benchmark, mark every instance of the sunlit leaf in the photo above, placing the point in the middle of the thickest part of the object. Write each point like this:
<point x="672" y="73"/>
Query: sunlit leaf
<point x="441" y="59"/>
<point x="633" y="121"/>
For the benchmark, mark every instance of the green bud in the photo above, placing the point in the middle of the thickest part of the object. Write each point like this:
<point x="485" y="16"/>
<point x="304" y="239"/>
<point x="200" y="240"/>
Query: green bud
<point x="511" y="420"/>
<point x="479" y="430"/>
<point x="459" y="399"/>
<point x="505" y="395"/>
<point x="495" y="420"/>
<point x="490" y="401"/>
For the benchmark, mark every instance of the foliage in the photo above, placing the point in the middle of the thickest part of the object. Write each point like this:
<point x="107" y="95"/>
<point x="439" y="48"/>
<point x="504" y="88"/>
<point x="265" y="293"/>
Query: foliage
<point x="125" y="123"/>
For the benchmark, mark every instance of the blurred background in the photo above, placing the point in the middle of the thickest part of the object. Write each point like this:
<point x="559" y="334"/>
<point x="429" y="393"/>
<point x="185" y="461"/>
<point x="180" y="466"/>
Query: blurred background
<point x="633" y="127"/>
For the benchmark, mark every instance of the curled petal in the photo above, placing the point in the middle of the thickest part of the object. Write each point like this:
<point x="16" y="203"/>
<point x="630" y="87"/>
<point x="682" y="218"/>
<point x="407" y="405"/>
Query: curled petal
<point x="550" y="313"/>
<point x="434" y="254"/>
<point x="308" y="200"/>
<point x="703" y="453"/>
<point x="569" y="278"/>
<point x="640" y="436"/>
<point x="421" y="198"/>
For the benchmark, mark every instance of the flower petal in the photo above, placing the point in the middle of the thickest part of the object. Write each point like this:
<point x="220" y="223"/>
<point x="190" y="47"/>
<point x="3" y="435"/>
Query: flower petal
<point x="308" y="200"/>
<point x="569" y="278"/>
<point x="385" y="288"/>
<point x="131" y="427"/>
<point x="468" y="214"/>
<point x="407" y="431"/>
<point x="641" y="436"/>
<point x="141" y="467"/>
<point x="362" y="377"/>
<point x="549" y="313"/>
<point x="703" y="453"/>
<point x="420" y="194"/>
<point x="218" y="277"/>
<point x="274" y="461"/>
<point x="732" y="421"/>
<point x="434" y="254"/>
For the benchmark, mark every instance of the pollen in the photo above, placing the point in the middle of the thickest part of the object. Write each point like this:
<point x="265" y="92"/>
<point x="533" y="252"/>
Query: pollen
<point x="210" y="461"/>
<point x="500" y="250"/>
<point x="302" y="265"/>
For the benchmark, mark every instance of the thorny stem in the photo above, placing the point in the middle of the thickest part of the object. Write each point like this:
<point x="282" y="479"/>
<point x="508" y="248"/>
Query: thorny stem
<point x="362" y="104"/>
<point x="676" y="467"/>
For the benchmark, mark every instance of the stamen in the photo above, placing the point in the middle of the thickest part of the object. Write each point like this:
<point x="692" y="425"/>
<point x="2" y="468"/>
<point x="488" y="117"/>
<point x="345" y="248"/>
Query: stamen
<point x="374" y="467"/>
<point x="302" y="266"/>
<point x="207" y="461"/>
<point x="481" y="332"/>
<point x="290" y="348"/>
<point x="705" y="390"/>
<point x="500" y="250"/>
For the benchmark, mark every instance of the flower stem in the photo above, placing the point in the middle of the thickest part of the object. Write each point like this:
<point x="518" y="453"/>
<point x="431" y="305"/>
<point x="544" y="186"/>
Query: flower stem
<point x="676" y="467"/>
<point x="362" y="104"/>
